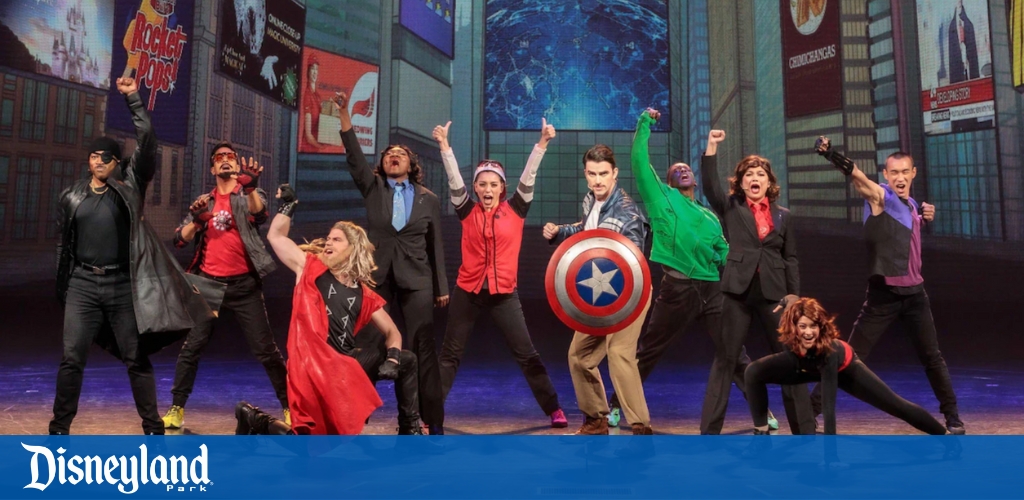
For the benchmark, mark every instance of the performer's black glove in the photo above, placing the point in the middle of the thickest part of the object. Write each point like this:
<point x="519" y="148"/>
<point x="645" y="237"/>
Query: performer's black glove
<point x="389" y="368"/>
<point x="823" y="146"/>
<point x="286" y="194"/>
<point x="200" y="211"/>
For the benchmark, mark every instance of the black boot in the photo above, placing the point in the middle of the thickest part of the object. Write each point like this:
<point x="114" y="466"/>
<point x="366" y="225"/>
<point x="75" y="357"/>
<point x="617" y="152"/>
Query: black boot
<point x="410" y="427"/>
<point x="252" y="420"/>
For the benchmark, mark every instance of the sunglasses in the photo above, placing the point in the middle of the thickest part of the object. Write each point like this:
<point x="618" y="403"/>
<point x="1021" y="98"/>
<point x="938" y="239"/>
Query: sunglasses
<point x="395" y="152"/>
<point x="225" y="156"/>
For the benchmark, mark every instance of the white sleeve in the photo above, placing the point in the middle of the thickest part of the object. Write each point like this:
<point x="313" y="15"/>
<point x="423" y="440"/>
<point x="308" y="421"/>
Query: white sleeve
<point x="455" y="183"/>
<point x="529" y="177"/>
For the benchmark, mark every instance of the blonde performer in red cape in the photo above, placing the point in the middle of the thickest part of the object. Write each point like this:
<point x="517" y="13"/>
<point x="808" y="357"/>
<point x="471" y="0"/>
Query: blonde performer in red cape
<point x="330" y="377"/>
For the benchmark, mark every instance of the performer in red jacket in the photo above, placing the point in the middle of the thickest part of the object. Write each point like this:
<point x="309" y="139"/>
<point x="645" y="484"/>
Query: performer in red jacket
<point x="330" y="379"/>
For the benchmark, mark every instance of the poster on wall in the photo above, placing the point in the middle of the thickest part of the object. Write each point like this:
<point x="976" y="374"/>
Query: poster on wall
<point x="592" y="65"/>
<point x="812" y="66"/>
<point x="957" y="89"/>
<point x="260" y="46"/>
<point x="66" y="39"/>
<point x="1015" y="18"/>
<point x="153" y="44"/>
<point x="431" y="20"/>
<point x="325" y="74"/>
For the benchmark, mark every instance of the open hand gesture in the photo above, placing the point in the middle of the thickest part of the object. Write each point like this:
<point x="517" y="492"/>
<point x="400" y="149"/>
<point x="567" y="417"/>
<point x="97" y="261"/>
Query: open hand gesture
<point x="249" y="176"/>
<point x="199" y="210"/>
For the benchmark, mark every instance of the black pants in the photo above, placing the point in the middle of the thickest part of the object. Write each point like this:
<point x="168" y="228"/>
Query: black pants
<point x="679" y="303"/>
<point x="93" y="303"/>
<point x="417" y="308"/>
<point x="243" y="297"/>
<point x="507" y="313"/>
<point x="406" y="387"/>
<point x="880" y="309"/>
<point x="738" y="312"/>
<point x="857" y="380"/>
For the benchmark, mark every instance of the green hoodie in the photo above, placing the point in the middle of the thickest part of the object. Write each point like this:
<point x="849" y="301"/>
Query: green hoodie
<point x="687" y="236"/>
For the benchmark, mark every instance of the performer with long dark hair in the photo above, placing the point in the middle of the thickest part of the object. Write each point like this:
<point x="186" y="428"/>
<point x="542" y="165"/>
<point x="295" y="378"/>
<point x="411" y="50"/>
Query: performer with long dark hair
<point x="813" y="352"/>
<point x="404" y="225"/>
<point x="492" y="235"/>
<point x="761" y="275"/>
<point x="330" y="377"/>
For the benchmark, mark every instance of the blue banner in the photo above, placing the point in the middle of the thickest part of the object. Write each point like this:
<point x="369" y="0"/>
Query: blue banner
<point x="153" y="43"/>
<point x="511" y="467"/>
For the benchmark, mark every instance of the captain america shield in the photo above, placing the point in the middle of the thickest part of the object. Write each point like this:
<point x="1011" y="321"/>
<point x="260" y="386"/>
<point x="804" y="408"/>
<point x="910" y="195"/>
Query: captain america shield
<point x="598" y="282"/>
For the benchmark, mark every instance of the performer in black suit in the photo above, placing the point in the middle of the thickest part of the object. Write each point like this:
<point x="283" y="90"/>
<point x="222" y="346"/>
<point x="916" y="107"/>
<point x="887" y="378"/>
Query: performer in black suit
<point x="404" y="225"/>
<point x="761" y="274"/>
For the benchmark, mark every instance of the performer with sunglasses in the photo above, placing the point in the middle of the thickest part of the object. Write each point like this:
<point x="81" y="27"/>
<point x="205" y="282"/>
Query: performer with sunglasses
<point x="224" y="225"/>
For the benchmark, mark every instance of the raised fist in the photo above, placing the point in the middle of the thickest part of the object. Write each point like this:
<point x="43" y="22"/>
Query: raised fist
<point x="126" y="85"/>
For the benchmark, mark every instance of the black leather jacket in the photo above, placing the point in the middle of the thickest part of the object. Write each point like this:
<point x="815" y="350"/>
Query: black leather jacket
<point x="164" y="300"/>
<point x="254" y="247"/>
<point x="619" y="213"/>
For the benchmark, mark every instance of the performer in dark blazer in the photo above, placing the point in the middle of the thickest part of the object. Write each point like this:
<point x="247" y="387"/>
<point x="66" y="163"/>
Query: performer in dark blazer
<point x="404" y="225"/>
<point x="761" y="272"/>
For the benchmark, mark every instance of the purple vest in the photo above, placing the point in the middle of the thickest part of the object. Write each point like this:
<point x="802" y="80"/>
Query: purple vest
<point x="894" y="240"/>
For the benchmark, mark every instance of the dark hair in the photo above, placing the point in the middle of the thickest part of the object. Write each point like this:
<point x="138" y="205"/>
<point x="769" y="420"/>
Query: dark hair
<point x="899" y="155"/>
<point x="753" y="161"/>
<point x="220" y="145"/>
<point x="789" y="335"/>
<point x="415" y="172"/>
<point x="598" y="154"/>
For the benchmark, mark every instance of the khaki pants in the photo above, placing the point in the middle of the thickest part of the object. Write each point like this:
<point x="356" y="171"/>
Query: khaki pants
<point x="586" y="353"/>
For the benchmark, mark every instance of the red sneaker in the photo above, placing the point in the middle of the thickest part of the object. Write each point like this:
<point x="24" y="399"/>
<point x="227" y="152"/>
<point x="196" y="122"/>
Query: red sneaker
<point x="558" y="420"/>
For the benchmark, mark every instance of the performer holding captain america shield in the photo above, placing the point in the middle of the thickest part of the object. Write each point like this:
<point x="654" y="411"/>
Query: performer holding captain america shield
<point x="598" y="283"/>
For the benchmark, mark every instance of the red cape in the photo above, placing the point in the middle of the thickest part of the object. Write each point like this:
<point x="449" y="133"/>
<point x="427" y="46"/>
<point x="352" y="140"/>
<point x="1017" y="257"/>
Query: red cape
<point x="328" y="392"/>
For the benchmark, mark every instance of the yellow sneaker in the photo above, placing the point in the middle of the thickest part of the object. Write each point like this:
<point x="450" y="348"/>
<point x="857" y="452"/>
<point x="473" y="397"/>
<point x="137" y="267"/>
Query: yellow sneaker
<point x="288" y="417"/>
<point x="174" y="417"/>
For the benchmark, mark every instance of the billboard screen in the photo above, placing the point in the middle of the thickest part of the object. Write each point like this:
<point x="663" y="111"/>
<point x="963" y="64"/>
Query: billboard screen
<point x="592" y="65"/>
<point x="1015" y="16"/>
<point x="67" y="39"/>
<point x="261" y="46"/>
<point x="812" y="66"/>
<point x="323" y="75"/>
<point x="432" y="21"/>
<point x="957" y="89"/>
<point x="153" y="43"/>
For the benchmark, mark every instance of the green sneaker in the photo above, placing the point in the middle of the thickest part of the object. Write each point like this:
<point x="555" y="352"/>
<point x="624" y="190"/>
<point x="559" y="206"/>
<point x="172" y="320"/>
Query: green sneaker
<point x="174" y="417"/>
<point x="773" y="423"/>
<point x="614" y="417"/>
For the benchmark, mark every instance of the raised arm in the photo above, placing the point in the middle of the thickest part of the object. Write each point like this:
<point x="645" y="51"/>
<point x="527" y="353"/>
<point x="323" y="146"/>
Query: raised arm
<point x="286" y="250"/>
<point x="709" y="173"/>
<point x="142" y="165"/>
<point x="195" y="221"/>
<point x="648" y="183"/>
<point x="362" y="173"/>
<point x="867" y="188"/>
<point x="457" y="187"/>
<point x="523" y="196"/>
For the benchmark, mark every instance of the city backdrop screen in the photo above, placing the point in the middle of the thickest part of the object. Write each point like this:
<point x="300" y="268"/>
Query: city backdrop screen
<point x="582" y="65"/>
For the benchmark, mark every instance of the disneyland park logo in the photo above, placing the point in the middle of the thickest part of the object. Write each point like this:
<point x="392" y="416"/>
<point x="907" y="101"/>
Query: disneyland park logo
<point x="175" y="473"/>
<point x="154" y="48"/>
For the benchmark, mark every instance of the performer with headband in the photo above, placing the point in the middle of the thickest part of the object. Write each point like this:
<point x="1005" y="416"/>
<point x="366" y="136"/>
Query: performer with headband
<point x="813" y="352"/>
<point x="892" y="229"/>
<point x="492" y="235"/>
<point x="761" y="275"/>
<point x="330" y="378"/>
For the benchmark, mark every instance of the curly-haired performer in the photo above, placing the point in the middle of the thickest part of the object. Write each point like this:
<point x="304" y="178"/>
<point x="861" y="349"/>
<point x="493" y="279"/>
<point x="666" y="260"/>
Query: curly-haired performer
<point x="815" y="353"/>
<point x="330" y="379"/>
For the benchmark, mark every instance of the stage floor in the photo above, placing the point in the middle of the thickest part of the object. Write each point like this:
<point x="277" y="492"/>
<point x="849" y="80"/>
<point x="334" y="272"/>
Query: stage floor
<point x="488" y="398"/>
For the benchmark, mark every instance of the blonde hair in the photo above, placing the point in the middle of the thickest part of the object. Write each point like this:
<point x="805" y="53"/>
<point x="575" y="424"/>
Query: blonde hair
<point x="359" y="266"/>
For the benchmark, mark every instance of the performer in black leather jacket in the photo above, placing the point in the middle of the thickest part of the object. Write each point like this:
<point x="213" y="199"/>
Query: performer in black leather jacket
<point x="119" y="285"/>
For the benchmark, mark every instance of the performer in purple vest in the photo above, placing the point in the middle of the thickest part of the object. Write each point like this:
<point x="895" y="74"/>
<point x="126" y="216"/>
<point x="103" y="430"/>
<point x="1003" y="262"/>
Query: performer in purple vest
<point x="892" y="229"/>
